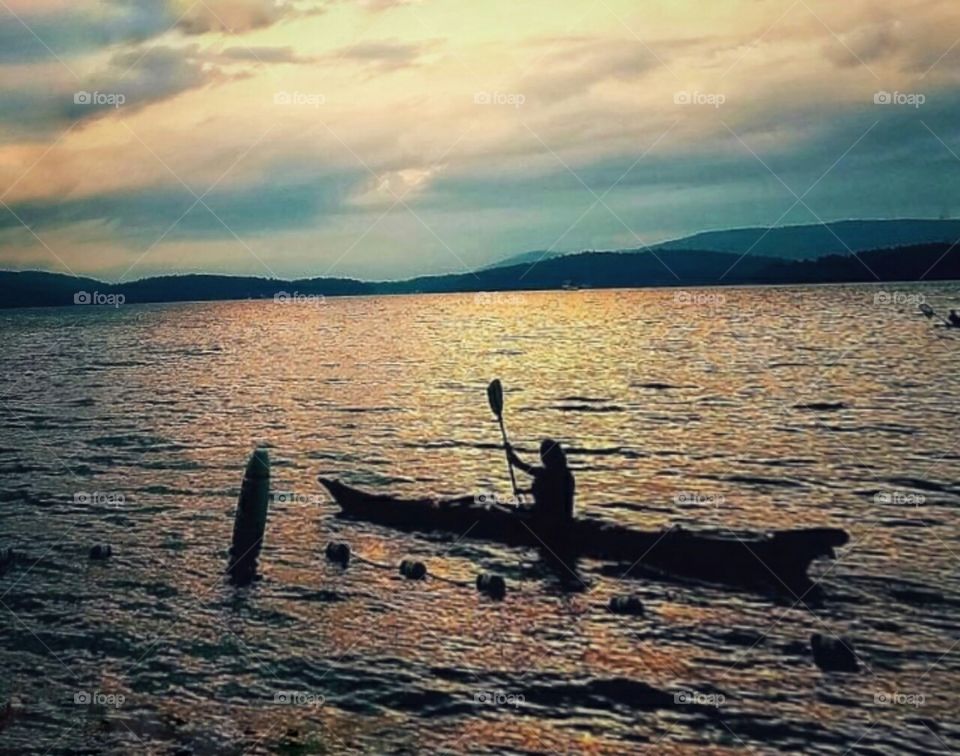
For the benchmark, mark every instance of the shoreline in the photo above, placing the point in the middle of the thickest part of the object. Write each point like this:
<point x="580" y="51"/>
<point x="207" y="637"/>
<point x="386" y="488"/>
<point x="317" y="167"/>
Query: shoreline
<point x="489" y="292"/>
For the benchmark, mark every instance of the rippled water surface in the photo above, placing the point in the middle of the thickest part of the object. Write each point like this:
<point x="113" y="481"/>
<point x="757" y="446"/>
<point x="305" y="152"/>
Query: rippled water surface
<point x="745" y="409"/>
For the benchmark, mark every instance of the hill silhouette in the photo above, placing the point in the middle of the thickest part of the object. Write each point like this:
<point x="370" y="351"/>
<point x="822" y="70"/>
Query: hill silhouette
<point x="673" y="268"/>
<point x="801" y="242"/>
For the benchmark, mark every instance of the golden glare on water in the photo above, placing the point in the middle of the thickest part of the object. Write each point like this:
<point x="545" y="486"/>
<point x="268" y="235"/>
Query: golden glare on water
<point x="756" y="409"/>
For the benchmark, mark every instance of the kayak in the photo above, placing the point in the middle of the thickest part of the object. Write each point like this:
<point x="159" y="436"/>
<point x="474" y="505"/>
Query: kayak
<point x="777" y="560"/>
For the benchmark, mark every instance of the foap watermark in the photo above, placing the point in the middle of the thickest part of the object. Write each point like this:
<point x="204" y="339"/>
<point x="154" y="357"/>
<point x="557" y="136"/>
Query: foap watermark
<point x="910" y="99"/>
<point x="498" y="698"/>
<point x="296" y="298"/>
<point x="898" y="299"/>
<point x="509" y="99"/>
<point x="895" y="698"/>
<point x="291" y="497"/>
<point x="699" y="298"/>
<point x="494" y="298"/>
<point x="98" y="698"/>
<point x="489" y="498"/>
<point x="308" y="99"/>
<point x="710" y="99"/>
<point x="695" y="498"/>
<point x="899" y="498"/>
<point x="694" y="698"/>
<point x="298" y="698"/>
<point x="109" y="499"/>
<point x="99" y="99"/>
<point x="98" y="299"/>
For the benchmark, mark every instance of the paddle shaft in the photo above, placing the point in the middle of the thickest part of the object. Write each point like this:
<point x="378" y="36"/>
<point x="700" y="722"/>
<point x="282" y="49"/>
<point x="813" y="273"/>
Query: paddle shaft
<point x="931" y="313"/>
<point x="506" y="443"/>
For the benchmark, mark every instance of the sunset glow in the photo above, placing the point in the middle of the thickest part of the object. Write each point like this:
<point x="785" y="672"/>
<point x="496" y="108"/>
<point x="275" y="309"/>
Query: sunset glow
<point x="390" y="138"/>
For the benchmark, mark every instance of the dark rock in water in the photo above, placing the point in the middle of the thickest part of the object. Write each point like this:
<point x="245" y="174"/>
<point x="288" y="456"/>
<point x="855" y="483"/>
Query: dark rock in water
<point x="251" y="518"/>
<point x="413" y="570"/>
<point x="629" y="605"/>
<point x="101" y="552"/>
<point x="338" y="553"/>
<point x="492" y="585"/>
<point x="833" y="654"/>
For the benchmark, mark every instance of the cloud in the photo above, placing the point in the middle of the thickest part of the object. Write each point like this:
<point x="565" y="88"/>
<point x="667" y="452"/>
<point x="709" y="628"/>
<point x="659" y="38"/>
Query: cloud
<point x="47" y="31"/>
<point x="378" y="6"/>
<point x="575" y="65"/>
<point x="144" y="78"/>
<point x="43" y="29"/>
<point x="598" y="99"/>
<point x="129" y="81"/>
<point x="263" y="54"/>
<point x="390" y="187"/>
<point x="866" y="44"/>
<point x="140" y="217"/>
<point x="385" y="55"/>
<point x="230" y="16"/>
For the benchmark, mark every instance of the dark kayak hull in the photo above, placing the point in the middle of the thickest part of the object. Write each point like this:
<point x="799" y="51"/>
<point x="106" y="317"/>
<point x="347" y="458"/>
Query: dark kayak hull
<point x="777" y="560"/>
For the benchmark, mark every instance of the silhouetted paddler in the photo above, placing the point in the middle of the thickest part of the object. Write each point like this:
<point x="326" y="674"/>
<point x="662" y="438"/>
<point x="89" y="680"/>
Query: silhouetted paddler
<point x="553" y="484"/>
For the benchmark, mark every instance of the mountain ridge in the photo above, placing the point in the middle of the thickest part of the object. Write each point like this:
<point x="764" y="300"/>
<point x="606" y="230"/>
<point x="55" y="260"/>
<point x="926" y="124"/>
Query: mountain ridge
<point x="601" y="270"/>
<point x="795" y="242"/>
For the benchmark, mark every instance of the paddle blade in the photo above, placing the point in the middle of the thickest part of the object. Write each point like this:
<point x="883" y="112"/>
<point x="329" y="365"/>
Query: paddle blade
<point x="495" y="397"/>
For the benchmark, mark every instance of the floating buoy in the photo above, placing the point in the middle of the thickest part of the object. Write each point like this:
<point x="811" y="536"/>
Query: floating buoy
<point x="493" y="586"/>
<point x="833" y="654"/>
<point x="338" y="553"/>
<point x="251" y="518"/>
<point x="627" y="605"/>
<point x="413" y="570"/>
<point x="101" y="552"/>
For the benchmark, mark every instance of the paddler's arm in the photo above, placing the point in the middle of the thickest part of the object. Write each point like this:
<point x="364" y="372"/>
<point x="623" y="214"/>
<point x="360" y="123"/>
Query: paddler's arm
<point x="519" y="463"/>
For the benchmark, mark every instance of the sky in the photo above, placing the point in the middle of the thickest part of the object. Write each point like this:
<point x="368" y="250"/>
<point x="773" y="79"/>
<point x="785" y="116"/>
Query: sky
<point x="383" y="139"/>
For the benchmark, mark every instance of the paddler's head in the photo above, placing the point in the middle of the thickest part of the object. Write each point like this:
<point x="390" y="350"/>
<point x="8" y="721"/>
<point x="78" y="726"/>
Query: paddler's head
<point x="551" y="453"/>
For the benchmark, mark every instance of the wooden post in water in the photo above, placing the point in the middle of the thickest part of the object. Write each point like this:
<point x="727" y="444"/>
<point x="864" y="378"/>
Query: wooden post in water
<point x="251" y="518"/>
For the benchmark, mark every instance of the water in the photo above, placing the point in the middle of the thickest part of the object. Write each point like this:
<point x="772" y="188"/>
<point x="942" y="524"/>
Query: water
<point x="756" y="408"/>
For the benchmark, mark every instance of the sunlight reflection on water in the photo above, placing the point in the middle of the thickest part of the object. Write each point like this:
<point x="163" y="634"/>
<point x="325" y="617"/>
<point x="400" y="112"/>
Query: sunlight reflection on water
<point x="749" y="409"/>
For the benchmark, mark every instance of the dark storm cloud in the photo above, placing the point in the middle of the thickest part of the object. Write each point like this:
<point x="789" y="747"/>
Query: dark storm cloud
<point x="278" y="204"/>
<point x="144" y="78"/>
<point x="132" y="80"/>
<point x="717" y="170"/>
<point x="35" y="37"/>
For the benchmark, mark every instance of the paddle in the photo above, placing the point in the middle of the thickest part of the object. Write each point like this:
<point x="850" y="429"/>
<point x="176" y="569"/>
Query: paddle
<point x="495" y="397"/>
<point x="930" y="313"/>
